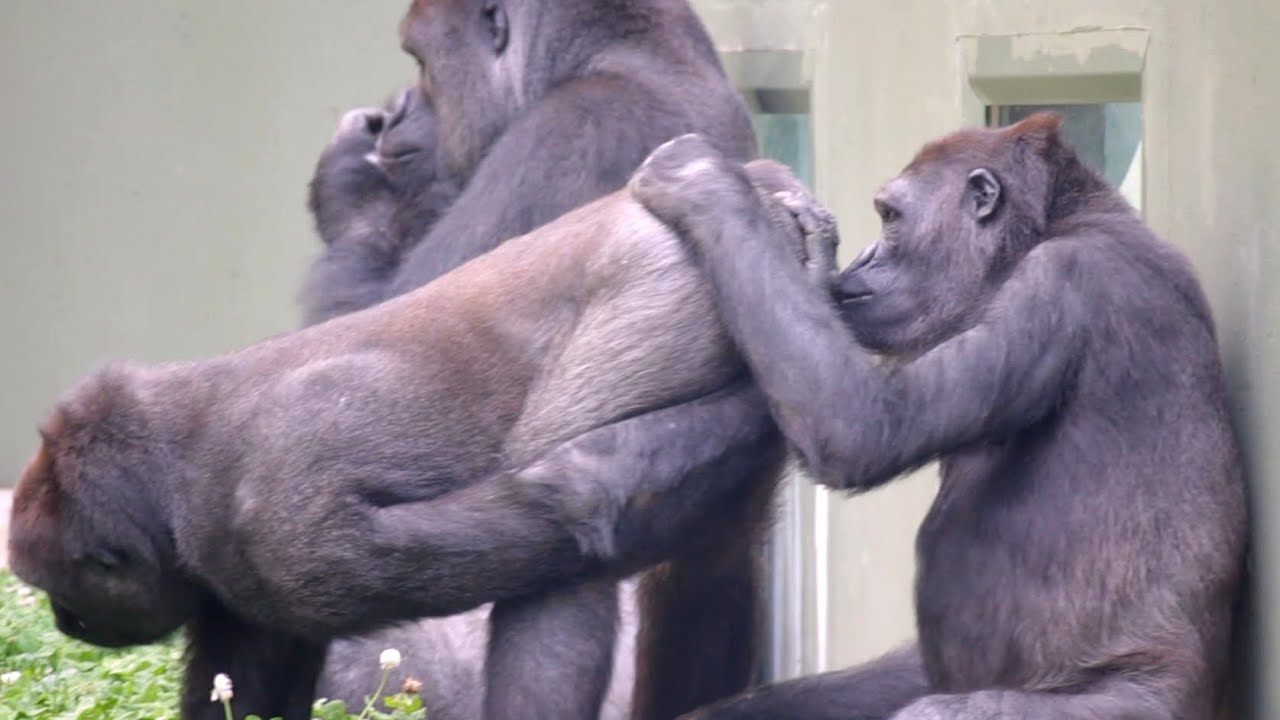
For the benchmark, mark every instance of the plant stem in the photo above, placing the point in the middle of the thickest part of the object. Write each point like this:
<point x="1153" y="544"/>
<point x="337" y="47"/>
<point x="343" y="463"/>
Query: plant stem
<point x="226" y="708"/>
<point x="368" y="706"/>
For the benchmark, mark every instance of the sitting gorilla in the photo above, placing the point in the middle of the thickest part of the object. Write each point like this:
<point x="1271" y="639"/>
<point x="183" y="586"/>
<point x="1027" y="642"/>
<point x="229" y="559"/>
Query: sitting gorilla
<point x="564" y="408"/>
<point x="1084" y="554"/>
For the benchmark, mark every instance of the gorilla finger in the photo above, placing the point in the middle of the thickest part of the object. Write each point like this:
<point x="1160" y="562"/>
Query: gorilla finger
<point x="771" y="176"/>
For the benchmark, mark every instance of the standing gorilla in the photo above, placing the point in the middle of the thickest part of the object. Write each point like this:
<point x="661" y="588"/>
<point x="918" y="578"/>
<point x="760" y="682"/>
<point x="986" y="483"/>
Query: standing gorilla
<point x="334" y="481"/>
<point x="1083" y="554"/>
<point x="376" y="184"/>
<point x="524" y="111"/>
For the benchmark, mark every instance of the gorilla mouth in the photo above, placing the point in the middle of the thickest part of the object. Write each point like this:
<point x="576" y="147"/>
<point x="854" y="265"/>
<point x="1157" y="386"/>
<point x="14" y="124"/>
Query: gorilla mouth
<point x="852" y="288"/>
<point x="851" y="297"/>
<point x="72" y="625"/>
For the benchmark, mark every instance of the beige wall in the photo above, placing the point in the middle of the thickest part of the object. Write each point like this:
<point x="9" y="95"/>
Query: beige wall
<point x="152" y="187"/>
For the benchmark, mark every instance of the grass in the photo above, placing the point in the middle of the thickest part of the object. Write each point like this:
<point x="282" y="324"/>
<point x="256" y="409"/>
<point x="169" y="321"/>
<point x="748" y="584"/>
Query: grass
<point x="47" y="675"/>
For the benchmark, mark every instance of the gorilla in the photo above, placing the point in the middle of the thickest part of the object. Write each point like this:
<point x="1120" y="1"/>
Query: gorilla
<point x="1017" y="321"/>
<point x="525" y="110"/>
<point x="376" y="185"/>
<point x="564" y="409"/>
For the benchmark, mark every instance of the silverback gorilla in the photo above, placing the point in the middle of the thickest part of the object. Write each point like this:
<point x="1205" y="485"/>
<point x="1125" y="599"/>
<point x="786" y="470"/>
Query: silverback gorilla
<point x="1082" y="555"/>
<point x="524" y="111"/>
<point x="564" y="407"/>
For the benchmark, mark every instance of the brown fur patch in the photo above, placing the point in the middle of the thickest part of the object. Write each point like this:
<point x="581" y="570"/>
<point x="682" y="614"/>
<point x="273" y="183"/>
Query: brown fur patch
<point x="1041" y="123"/>
<point x="986" y="141"/>
<point x="35" y="497"/>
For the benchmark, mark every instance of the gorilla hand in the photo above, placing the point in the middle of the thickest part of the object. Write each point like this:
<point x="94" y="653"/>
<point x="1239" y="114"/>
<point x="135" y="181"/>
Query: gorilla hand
<point x="792" y="206"/>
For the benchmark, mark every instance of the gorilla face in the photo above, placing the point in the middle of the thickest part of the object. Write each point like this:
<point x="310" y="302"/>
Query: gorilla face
<point x="461" y="47"/>
<point x="923" y="278"/>
<point x="78" y="533"/>
<point x="405" y="148"/>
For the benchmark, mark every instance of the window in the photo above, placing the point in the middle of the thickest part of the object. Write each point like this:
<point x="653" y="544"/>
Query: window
<point x="1093" y="78"/>
<point x="1108" y="137"/>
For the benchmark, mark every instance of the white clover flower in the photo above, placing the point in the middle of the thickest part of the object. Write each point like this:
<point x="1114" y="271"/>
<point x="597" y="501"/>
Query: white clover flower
<point x="221" y="689"/>
<point x="26" y="596"/>
<point x="10" y="678"/>
<point x="389" y="659"/>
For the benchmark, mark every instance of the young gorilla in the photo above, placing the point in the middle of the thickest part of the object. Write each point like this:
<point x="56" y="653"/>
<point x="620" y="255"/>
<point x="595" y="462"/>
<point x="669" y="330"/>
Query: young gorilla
<point x="563" y="408"/>
<point x="530" y="109"/>
<point x="1083" y="553"/>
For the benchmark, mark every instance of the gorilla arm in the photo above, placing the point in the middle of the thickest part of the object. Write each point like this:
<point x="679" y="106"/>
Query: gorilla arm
<point x="604" y="504"/>
<point x="855" y="424"/>
<point x="611" y="501"/>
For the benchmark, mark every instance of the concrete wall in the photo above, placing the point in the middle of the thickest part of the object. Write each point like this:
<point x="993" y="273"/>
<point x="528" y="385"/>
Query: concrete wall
<point x="153" y="183"/>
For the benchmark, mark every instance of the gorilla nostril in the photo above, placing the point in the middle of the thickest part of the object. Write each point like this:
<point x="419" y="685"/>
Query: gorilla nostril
<point x="401" y="109"/>
<point x="865" y="257"/>
<point x="373" y="122"/>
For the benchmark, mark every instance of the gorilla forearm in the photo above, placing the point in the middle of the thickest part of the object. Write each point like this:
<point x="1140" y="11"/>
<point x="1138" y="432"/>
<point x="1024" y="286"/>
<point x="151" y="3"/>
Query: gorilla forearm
<point x="351" y="275"/>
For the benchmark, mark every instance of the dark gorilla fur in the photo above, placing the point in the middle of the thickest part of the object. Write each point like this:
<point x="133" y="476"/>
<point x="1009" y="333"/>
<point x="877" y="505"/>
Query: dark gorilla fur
<point x="524" y="111"/>
<point x="1083" y="554"/>
<point x="564" y="408"/>
<point x="376" y="185"/>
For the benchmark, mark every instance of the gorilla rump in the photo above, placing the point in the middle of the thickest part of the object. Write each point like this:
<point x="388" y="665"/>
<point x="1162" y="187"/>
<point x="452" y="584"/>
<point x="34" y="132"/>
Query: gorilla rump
<point x="334" y="480"/>
<point x="1083" y="553"/>
<point x="524" y="110"/>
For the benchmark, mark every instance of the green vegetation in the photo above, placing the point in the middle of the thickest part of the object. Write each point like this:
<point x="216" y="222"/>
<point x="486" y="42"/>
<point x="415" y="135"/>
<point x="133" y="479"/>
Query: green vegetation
<point x="46" y="675"/>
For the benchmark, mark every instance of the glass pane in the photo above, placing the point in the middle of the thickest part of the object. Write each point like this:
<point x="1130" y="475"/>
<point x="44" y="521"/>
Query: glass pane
<point x="1108" y="137"/>
<point x="790" y="642"/>
<point x="786" y="137"/>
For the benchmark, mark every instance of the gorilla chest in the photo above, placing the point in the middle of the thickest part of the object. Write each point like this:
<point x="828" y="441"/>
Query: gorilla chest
<point x="985" y="586"/>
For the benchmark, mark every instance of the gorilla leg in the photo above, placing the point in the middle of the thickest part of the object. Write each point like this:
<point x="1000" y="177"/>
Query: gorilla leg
<point x="868" y="692"/>
<point x="587" y="508"/>
<point x="701" y="609"/>
<point x="551" y="654"/>
<point x="1136" y="698"/>
<point x="274" y="673"/>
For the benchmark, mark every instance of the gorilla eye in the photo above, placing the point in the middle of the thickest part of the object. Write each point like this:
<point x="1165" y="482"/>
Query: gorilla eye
<point x="887" y="212"/>
<point x="496" y="20"/>
<point x="103" y="559"/>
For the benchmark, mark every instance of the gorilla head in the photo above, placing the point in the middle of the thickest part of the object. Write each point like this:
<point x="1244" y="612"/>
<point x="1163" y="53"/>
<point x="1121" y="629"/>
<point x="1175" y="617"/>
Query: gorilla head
<point x="106" y="561"/>
<point x="904" y="293"/>
<point x="483" y="62"/>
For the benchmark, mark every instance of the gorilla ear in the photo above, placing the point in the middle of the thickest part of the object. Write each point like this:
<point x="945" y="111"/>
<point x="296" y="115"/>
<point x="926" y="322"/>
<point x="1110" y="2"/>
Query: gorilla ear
<point x="982" y="194"/>
<point x="495" y="18"/>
